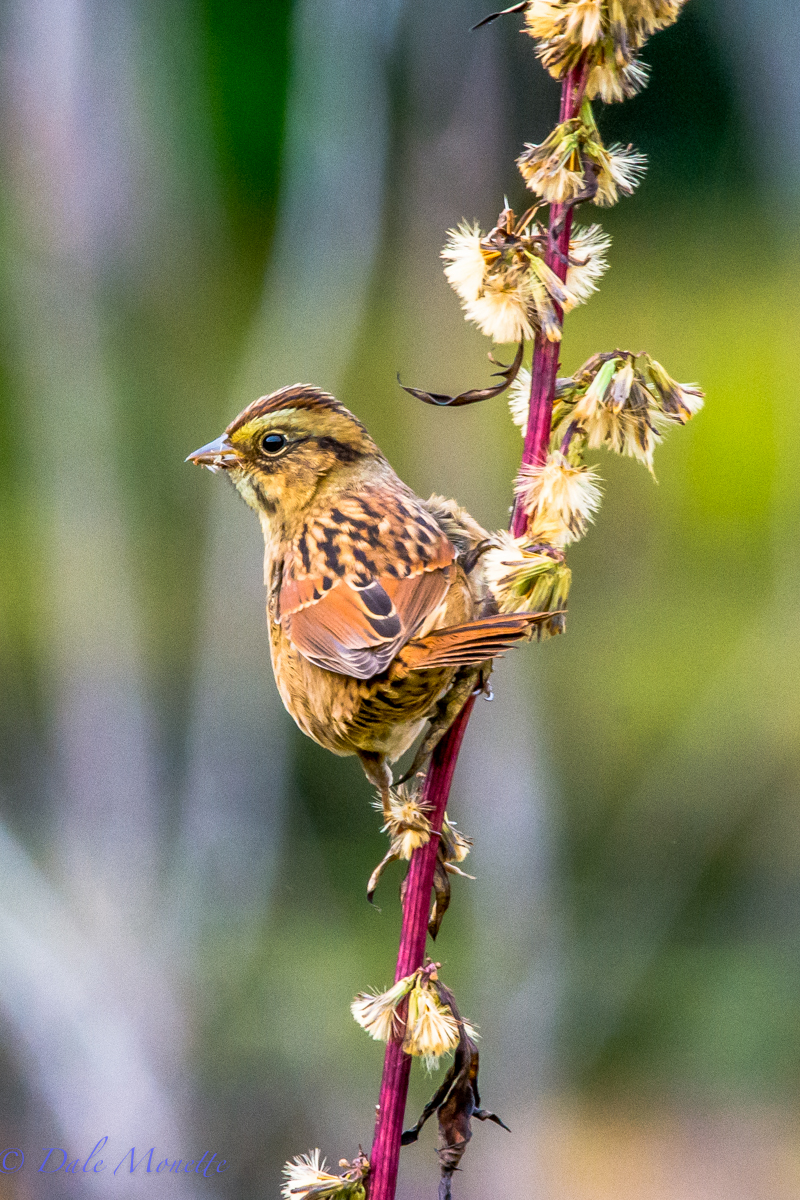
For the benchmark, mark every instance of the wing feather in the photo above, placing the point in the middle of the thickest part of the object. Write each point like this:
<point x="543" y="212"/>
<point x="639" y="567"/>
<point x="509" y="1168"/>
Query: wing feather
<point x="469" y="644"/>
<point x="362" y="579"/>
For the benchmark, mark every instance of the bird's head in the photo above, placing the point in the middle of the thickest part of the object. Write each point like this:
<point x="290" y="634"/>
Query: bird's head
<point x="283" y="447"/>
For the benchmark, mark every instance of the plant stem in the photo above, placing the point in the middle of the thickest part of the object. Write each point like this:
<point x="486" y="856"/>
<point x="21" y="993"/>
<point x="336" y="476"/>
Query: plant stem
<point x="544" y="368"/>
<point x="385" y="1154"/>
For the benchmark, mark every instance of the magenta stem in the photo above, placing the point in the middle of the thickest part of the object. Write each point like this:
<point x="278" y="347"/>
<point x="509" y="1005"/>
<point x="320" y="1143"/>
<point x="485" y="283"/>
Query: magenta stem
<point x="544" y="368"/>
<point x="385" y="1154"/>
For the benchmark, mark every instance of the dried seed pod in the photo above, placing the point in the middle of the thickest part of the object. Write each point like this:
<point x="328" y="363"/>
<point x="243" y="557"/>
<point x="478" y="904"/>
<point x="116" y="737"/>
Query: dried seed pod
<point x="307" y="1179"/>
<point x="625" y="402"/>
<point x="456" y="1102"/>
<point x="507" y="288"/>
<point x="572" y="162"/>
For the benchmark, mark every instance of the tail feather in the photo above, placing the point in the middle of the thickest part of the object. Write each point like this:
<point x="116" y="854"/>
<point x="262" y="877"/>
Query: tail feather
<point x="468" y="644"/>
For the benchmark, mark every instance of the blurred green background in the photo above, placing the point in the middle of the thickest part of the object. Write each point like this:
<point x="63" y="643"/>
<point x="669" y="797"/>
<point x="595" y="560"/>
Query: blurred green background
<point x="200" y="202"/>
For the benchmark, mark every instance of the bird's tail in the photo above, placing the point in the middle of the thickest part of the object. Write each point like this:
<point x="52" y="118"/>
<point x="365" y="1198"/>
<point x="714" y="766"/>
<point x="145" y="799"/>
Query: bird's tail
<point x="468" y="644"/>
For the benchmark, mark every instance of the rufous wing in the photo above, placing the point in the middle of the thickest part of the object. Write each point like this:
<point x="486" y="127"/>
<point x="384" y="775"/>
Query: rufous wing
<point x="361" y="583"/>
<point x="468" y="644"/>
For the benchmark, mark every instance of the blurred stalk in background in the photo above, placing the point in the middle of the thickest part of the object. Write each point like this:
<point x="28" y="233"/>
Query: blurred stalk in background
<point x="73" y="124"/>
<point x="202" y="201"/>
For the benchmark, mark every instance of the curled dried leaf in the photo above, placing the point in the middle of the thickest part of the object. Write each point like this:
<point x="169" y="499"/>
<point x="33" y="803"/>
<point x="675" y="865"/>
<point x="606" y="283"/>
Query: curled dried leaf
<point x="442" y="400"/>
<point x="456" y="1102"/>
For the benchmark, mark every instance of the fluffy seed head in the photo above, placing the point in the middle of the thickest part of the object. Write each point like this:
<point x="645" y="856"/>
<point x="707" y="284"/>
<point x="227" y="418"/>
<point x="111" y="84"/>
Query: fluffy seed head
<point x="614" y="412"/>
<point x="679" y="401"/>
<point x="621" y="172"/>
<point x="560" y="494"/>
<point x="523" y="576"/>
<point x="466" y="264"/>
<point x="556" y="169"/>
<point x="502" y="313"/>
<point x="614" y="83"/>
<point x="408" y="825"/>
<point x="454" y="845"/>
<point x="607" y="32"/>
<point x="553" y="169"/>
<point x="306" y="1175"/>
<point x="579" y="21"/>
<point x="492" y="287"/>
<point x="431" y="1028"/>
<point x="506" y="287"/>
<point x="624" y="402"/>
<point x="588" y="247"/>
<point x="376" y="1012"/>
<point x="651" y="15"/>
<point x="519" y="399"/>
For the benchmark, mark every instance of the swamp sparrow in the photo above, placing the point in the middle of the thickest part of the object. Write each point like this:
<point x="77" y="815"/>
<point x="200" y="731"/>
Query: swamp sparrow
<point x="380" y="619"/>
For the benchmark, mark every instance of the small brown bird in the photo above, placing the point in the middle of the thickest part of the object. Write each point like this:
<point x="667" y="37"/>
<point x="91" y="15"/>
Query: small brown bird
<point x="379" y="618"/>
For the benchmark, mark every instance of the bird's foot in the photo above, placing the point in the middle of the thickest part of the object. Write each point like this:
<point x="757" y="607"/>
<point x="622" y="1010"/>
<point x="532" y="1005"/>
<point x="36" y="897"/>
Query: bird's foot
<point x="407" y="825"/>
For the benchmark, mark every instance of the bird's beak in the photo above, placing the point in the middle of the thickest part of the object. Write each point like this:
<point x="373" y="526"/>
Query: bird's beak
<point x="217" y="455"/>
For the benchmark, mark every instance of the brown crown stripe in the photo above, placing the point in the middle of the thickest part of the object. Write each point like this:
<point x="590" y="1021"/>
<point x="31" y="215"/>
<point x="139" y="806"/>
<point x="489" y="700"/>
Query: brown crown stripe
<point x="299" y="396"/>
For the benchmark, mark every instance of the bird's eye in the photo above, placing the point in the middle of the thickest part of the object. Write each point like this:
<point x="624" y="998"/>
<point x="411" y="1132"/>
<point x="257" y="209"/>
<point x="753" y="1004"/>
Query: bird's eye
<point x="273" y="443"/>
